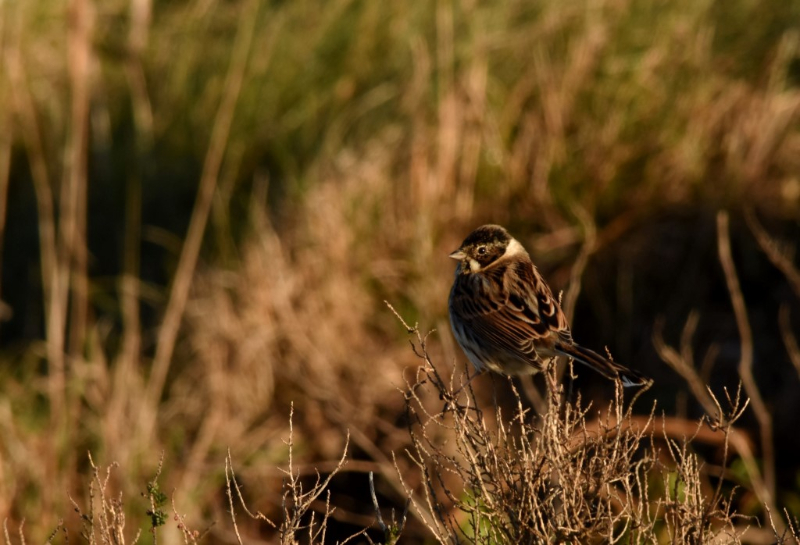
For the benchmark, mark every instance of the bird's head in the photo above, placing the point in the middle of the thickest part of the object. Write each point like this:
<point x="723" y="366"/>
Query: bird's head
<point x="485" y="246"/>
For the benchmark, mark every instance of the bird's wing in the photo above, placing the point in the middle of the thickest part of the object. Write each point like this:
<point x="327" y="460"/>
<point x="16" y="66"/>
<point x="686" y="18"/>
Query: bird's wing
<point x="511" y="308"/>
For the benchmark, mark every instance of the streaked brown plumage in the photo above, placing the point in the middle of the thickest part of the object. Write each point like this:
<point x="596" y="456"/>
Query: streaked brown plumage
<point x="504" y="315"/>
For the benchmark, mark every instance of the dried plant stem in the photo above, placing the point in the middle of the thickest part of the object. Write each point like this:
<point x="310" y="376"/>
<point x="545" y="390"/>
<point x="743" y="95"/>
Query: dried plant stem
<point x="788" y="337"/>
<point x="6" y="141"/>
<point x="50" y="267"/>
<point x="31" y="135"/>
<point x="558" y="477"/>
<point x="127" y="382"/>
<point x="746" y="361"/>
<point x="679" y="428"/>
<point x="683" y="363"/>
<point x="194" y="236"/>
<point x="5" y="169"/>
<point x="587" y="249"/>
<point x="576" y="273"/>
<point x="297" y="503"/>
<point x="140" y="16"/>
<point x="782" y="259"/>
<point x="777" y="255"/>
<point x="125" y="372"/>
<point x="74" y="194"/>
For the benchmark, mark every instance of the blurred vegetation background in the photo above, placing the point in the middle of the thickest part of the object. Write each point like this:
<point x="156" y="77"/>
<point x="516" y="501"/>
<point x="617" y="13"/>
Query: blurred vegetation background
<point x="204" y="203"/>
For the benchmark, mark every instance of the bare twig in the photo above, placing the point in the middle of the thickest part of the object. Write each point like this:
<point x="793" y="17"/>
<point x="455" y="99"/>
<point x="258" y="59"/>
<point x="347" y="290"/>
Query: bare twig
<point x="780" y="255"/>
<point x="230" y="483"/>
<point x="576" y="273"/>
<point x="683" y="362"/>
<point x="391" y="533"/>
<point x="6" y="140"/>
<point x="297" y="503"/>
<point x="105" y="520"/>
<point x="578" y="268"/>
<point x="788" y="337"/>
<point x="20" y="532"/>
<point x="746" y="361"/>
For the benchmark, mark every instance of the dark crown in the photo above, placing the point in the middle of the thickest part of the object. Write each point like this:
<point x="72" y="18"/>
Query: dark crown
<point x="487" y="234"/>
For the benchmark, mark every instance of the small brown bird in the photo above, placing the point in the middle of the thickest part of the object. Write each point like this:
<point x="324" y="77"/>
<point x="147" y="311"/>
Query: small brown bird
<point x="504" y="315"/>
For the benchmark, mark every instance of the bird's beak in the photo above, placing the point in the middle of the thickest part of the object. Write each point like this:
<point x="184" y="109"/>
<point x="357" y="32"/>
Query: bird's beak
<point x="458" y="255"/>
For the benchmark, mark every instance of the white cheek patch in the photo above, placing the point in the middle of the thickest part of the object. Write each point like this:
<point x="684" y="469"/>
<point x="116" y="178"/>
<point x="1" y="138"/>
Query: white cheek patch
<point x="514" y="248"/>
<point x="474" y="265"/>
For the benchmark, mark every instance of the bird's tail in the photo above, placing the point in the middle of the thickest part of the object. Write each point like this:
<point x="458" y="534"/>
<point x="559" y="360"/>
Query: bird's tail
<point x="604" y="366"/>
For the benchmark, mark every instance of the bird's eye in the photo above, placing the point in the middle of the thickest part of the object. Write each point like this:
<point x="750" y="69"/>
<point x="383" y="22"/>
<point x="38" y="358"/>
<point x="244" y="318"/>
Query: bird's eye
<point x="481" y="250"/>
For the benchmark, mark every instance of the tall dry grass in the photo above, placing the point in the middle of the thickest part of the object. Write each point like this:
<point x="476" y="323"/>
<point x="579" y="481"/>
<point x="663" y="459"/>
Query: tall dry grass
<point x="336" y="150"/>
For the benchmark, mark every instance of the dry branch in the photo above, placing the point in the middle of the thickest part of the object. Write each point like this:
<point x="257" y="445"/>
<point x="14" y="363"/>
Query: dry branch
<point x="746" y="361"/>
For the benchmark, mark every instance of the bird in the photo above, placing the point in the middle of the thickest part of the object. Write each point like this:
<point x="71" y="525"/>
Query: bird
<point x="504" y="316"/>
